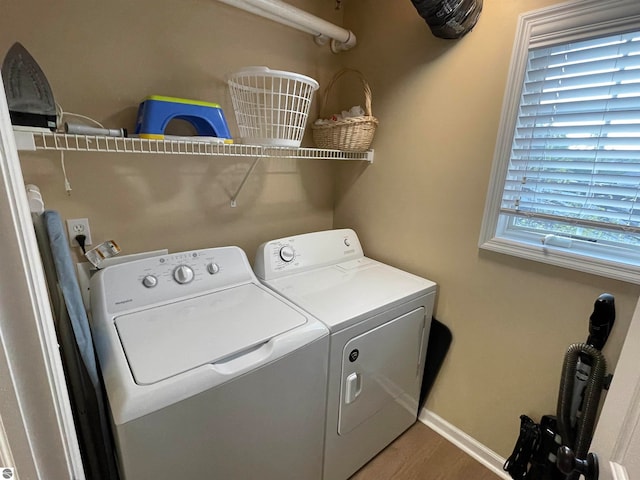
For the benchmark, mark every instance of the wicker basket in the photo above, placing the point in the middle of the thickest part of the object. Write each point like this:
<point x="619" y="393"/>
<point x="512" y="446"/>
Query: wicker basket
<point x="349" y="134"/>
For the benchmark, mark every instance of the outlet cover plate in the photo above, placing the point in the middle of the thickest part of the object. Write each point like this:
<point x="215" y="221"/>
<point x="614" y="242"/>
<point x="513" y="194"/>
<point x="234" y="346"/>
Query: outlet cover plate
<point x="78" y="226"/>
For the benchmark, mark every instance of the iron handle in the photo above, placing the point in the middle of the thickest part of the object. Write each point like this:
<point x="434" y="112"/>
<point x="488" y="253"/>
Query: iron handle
<point x="568" y="463"/>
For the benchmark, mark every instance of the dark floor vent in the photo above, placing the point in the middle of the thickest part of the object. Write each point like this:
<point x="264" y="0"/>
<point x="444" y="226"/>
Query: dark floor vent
<point x="449" y="18"/>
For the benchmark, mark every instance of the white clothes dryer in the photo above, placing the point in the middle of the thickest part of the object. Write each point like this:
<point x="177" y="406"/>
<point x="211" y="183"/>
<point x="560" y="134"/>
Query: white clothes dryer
<point x="379" y="318"/>
<point x="208" y="373"/>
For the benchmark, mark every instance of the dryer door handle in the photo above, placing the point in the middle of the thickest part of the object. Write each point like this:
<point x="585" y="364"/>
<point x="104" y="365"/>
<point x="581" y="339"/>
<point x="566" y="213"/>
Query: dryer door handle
<point x="353" y="387"/>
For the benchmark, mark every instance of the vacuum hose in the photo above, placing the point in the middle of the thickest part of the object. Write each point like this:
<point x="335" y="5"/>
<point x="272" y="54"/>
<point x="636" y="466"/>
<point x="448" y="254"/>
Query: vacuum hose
<point x="579" y="439"/>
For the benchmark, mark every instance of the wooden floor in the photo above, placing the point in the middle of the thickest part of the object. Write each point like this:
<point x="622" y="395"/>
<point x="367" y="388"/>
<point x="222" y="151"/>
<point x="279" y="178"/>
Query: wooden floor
<point x="422" y="454"/>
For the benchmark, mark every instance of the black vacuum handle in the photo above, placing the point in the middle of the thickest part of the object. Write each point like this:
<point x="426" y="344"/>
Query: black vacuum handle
<point x="601" y="320"/>
<point x="568" y="463"/>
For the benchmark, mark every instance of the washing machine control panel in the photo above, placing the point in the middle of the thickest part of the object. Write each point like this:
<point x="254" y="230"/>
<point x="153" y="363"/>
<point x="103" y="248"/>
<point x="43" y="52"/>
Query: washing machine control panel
<point x="165" y="277"/>
<point x="285" y="256"/>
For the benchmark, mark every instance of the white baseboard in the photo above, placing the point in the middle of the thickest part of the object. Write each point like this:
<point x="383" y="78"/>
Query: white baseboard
<point x="469" y="445"/>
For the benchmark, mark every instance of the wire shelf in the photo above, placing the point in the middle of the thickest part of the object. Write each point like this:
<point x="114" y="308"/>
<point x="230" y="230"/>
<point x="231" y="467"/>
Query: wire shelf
<point x="48" y="141"/>
<point x="102" y="144"/>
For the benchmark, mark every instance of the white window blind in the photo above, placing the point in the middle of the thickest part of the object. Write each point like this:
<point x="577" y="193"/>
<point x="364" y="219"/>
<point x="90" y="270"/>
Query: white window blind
<point x="565" y="180"/>
<point x="575" y="157"/>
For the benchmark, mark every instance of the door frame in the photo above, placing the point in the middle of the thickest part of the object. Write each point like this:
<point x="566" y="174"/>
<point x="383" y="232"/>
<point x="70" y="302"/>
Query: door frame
<point x="619" y="421"/>
<point x="37" y="432"/>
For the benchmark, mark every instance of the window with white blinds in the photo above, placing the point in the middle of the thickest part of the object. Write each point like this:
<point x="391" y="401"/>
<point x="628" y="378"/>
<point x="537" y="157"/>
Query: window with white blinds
<point x="576" y="147"/>
<point x="565" y="185"/>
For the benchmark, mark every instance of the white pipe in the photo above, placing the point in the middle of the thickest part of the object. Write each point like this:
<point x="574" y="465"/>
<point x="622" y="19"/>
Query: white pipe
<point x="241" y="4"/>
<point x="318" y="38"/>
<point x="281" y="12"/>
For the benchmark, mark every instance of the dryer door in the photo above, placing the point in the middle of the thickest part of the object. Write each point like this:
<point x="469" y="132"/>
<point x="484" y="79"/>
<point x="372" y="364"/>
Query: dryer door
<point x="382" y="366"/>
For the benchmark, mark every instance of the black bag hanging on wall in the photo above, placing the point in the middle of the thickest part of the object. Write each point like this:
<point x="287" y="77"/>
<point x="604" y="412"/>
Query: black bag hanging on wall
<point x="449" y="18"/>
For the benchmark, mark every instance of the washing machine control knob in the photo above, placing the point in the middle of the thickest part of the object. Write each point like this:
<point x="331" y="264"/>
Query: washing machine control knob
<point x="183" y="274"/>
<point x="150" y="281"/>
<point x="213" y="268"/>
<point x="287" y="253"/>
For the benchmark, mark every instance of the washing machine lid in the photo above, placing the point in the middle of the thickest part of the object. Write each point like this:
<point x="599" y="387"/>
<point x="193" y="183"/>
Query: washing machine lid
<point x="164" y="341"/>
<point x="343" y="294"/>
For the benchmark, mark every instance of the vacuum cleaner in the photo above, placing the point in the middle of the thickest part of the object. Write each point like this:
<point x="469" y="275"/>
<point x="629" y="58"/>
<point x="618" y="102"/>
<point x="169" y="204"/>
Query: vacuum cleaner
<point x="558" y="447"/>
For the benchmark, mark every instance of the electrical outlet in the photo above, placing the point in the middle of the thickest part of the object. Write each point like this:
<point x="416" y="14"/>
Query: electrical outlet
<point x="78" y="226"/>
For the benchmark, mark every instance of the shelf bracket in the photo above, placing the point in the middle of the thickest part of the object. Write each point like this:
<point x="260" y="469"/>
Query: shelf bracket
<point x="244" y="180"/>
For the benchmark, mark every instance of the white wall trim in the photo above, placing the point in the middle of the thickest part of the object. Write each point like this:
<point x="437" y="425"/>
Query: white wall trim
<point x="618" y="471"/>
<point x="464" y="442"/>
<point x="6" y="456"/>
<point x="37" y="421"/>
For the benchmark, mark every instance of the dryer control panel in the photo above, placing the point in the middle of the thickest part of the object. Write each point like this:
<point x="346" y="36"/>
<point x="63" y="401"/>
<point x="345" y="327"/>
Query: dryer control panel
<point x="285" y="256"/>
<point x="151" y="280"/>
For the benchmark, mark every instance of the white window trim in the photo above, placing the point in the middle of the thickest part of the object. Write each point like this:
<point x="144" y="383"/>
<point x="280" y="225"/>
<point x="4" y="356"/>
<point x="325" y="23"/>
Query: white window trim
<point x="560" y="23"/>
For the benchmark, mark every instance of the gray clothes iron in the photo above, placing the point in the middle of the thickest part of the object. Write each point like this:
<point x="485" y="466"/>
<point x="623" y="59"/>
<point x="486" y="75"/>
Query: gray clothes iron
<point x="29" y="94"/>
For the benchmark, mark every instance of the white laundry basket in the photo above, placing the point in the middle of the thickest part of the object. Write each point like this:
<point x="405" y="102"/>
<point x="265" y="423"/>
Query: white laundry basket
<point x="271" y="106"/>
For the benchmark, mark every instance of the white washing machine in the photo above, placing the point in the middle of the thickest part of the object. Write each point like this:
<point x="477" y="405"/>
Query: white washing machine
<point x="208" y="373"/>
<point x="379" y="318"/>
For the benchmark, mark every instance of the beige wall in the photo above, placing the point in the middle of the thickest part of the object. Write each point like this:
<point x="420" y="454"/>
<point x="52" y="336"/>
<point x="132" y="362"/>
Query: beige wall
<point x="420" y="206"/>
<point x="103" y="58"/>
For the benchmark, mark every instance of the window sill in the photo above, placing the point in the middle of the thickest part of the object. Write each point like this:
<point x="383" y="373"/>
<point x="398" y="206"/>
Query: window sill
<point x="561" y="257"/>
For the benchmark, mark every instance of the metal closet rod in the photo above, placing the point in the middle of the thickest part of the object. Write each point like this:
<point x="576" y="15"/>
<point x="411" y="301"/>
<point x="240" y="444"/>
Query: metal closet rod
<point x="281" y="12"/>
